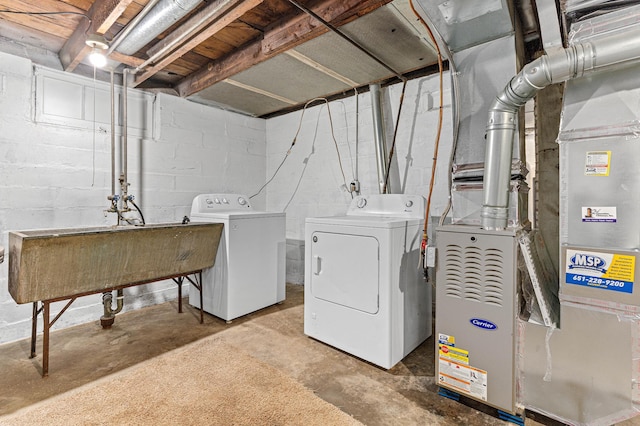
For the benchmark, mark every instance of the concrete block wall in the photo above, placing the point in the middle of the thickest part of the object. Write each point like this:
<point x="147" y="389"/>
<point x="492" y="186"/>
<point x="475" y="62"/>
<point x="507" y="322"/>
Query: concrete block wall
<point x="55" y="167"/>
<point x="310" y="182"/>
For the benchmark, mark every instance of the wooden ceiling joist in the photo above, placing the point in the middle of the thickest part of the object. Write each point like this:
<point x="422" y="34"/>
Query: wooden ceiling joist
<point x="103" y="14"/>
<point x="284" y="35"/>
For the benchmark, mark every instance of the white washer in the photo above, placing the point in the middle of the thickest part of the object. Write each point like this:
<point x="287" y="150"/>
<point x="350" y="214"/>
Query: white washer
<point x="249" y="273"/>
<point x="364" y="293"/>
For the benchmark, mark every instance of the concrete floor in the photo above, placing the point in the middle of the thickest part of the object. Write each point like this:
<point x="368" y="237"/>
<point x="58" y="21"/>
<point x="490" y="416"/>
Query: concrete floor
<point x="404" y="395"/>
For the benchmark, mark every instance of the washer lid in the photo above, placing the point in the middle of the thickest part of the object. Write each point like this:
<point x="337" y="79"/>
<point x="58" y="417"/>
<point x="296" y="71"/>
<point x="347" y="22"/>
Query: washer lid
<point x="234" y="215"/>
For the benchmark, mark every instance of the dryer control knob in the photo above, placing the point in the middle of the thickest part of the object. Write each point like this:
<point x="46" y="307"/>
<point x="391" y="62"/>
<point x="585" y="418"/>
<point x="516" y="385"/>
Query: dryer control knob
<point x="242" y="201"/>
<point x="409" y="203"/>
<point x="361" y="203"/>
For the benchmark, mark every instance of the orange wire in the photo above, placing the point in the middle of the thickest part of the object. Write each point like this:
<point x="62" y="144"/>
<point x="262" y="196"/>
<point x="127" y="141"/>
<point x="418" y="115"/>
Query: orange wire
<point x="425" y="236"/>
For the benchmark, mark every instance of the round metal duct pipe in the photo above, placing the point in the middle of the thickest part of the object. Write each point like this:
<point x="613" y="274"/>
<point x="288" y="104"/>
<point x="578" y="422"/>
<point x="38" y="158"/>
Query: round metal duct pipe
<point x="599" y="54"/>
<point x="161" y="17"/>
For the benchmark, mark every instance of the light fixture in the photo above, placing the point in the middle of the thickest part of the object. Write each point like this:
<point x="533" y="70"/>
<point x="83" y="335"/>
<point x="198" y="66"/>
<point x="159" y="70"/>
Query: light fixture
<point x="98" y="45"/>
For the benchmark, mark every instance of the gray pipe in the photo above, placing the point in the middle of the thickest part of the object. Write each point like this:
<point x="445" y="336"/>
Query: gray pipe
<point x="161" y="17"/>
<point x="557" y="66"/>
<point x="378" y="135"/>
<point x="130" y="26"/>
<point x="113" y="135"/>
<point x="216" y="8"/>
<point x="109" y="316"/>
<point x="125" y="126"/>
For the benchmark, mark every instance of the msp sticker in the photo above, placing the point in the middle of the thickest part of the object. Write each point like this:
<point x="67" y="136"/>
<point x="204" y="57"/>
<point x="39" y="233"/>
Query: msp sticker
<point x="599" y="214"/>
<point x="607" y="271"/>
<point x="597" y="163"/>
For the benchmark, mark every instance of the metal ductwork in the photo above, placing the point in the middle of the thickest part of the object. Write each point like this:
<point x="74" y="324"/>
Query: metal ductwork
<point x="161" y="17"/>
<point x="598" y="54"/>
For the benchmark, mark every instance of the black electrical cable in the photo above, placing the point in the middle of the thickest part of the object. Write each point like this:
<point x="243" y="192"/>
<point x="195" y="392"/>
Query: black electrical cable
<point x="395" y="135"/>
<point x="139" y="211"/>
<point x="345" y="37"/>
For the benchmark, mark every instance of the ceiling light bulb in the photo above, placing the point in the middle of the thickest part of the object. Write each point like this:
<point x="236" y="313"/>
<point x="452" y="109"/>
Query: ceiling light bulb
<point x="97" y="58"/>
<point x="98" y="45"/>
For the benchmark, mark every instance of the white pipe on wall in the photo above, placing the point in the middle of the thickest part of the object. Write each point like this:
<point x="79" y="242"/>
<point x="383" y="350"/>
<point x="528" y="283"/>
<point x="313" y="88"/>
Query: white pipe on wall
<point x="378" y="135"/>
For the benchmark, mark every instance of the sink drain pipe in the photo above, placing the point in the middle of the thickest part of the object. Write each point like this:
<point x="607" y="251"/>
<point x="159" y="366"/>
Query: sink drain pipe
<point x="107" y="320"/>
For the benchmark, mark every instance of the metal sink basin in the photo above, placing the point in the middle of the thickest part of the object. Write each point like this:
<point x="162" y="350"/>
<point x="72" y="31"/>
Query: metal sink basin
<point x="54" y="264"/>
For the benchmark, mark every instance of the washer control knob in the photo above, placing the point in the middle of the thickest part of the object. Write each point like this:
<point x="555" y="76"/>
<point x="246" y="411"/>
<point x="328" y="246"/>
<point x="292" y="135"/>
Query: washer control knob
<point x="242" y="201"/>
<point x="361" y="202"/>
<point x="409" y="203"/>
<point x="225" y="201"/>
<point x="216" y="200"/>
<point x="208" y="201"/>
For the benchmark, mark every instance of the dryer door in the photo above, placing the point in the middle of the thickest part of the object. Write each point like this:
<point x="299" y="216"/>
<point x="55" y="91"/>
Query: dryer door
<point x="345" y="270"/>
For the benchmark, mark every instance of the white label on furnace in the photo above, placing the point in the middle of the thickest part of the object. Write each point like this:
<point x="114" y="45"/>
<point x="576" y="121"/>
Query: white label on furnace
<point x="599" y="214"/>
<point x="597" y="163"/>
<point x="463" y="378"/>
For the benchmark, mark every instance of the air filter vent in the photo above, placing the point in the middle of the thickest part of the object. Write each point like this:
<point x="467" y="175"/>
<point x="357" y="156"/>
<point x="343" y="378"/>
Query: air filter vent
<point x="474" y="274"/>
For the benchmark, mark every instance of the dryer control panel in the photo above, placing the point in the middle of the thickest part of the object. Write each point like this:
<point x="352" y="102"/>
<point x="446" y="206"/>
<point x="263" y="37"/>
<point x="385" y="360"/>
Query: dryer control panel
<point x="400" y="205"/>
<point x="207" y="203"/>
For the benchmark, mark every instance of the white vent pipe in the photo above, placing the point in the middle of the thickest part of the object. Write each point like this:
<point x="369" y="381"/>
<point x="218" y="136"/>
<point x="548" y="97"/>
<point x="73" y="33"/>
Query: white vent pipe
<point x="598" y="54"/>
<point x="161" y="17"/>
<point x="378" y="135"/>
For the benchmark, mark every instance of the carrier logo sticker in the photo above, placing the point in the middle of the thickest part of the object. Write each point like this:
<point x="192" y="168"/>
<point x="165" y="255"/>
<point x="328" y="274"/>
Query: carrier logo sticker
<point x="587" y="261"/>
<point x="606" y="271"/>
<point x="482" y="323"/>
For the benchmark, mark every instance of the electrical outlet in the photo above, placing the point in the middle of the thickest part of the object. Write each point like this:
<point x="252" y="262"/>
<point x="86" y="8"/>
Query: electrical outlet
<point x="430" y="257"/>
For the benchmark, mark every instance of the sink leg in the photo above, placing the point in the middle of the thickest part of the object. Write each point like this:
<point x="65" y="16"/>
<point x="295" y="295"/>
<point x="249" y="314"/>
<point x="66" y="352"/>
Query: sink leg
<point x="34" y="329"/>
<point x="45" y="341"/>
<point x="179" y="281"/>
<point x="201" y="301"/>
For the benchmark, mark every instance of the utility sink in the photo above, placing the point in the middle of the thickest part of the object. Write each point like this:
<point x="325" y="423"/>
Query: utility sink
<point x="55" y="264"/>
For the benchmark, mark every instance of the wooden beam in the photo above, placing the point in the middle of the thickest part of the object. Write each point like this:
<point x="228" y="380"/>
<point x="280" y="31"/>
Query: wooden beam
<point x="313" y="64"/>
<point x="260" y="91"/>
<point x="278" y="38"/>
<point x="131" y="61"/>
<point x="222" y="13"/>
<point x="103" y="14"/>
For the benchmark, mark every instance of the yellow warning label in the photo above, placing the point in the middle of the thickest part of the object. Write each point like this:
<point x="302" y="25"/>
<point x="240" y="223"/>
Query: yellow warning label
<point x="622" y="268"/>
<point x="597" y="163"/>
<point x="454" y="354"/>
<point x="446" y="339"/>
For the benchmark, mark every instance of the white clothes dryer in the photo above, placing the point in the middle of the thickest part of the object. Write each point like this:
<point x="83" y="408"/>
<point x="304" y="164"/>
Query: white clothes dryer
<point x="364" y="292"/>
<point x="249" y="271"/>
